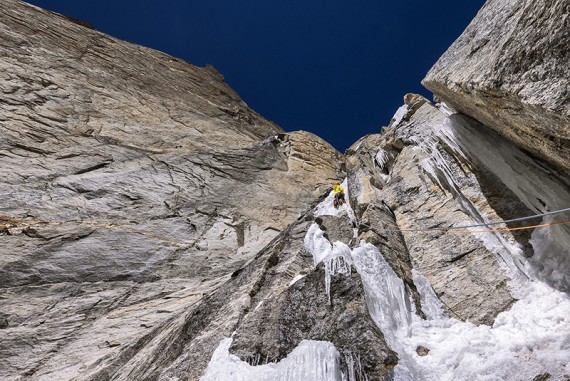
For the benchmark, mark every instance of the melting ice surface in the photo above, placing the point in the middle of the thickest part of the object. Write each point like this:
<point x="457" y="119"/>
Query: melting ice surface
<point x="531" y="338"/>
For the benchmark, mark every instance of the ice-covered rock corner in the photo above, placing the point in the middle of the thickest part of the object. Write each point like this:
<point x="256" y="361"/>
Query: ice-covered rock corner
<point x="531" y="338"/>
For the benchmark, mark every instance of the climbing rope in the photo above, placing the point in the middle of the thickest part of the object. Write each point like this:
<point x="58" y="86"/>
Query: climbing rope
<point x="465" y="229"/>
<point x="477" y="231"/>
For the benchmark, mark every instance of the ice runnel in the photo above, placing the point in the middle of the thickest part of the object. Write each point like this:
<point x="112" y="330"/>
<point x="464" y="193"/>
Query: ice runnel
<point x="385" y="291"/>
<point x="431" y="305"/>
<point x="388" y="305"/>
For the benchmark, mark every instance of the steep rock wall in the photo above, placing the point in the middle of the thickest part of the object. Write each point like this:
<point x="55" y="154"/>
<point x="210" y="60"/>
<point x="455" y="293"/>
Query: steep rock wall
<point x="509" y="70"/>
<point x="404" y="180"/>
<point x="150" y="216"/>
<point x="133" y="185"/>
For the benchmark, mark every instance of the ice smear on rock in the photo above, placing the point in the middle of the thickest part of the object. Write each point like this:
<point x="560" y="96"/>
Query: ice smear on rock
<point x="317" y="244"/>
<point x="310" y="361"/>
<point x="431" y="306"/>
<point x="385" y="293"/>
<point x="381" y="158"/>
<point x="533" y="186"/>
<point x="399" y="115"/>
<point x="339" y="262"/>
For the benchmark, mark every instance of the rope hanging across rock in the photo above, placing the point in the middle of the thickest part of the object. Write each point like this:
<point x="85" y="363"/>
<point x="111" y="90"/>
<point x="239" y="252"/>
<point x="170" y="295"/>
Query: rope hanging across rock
<point x="465" y="229"/>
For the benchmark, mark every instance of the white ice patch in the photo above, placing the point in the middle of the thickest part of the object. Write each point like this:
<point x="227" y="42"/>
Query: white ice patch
<point x="336" y="257"/>
<point x="309" y="361"/>
<point x="382" y="158"/>
<point x="316" y="244"/>
<point x="388" y="305"/>
<point x="294" y="280"/>
<point x="385" y="293"/>
<point x="339" y="262"/>
<point x="399" y="115"/>
<point x="531" y="338"/>
<point x="431" y="306"/>
<point x="326" y="207"/>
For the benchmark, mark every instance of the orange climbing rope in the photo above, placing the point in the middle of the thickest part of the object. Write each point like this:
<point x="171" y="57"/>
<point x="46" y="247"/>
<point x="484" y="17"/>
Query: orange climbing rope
<point x="467" y="231"/>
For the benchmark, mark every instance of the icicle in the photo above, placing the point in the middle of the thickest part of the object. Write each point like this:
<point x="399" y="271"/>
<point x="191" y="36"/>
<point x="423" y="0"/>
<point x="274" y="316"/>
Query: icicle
<point x="310" y="361"/>
<point x="354" y="371"/>
<point x="381" y="158"/>
<point x="339" y="262"/>
<point x="336" y="258"/>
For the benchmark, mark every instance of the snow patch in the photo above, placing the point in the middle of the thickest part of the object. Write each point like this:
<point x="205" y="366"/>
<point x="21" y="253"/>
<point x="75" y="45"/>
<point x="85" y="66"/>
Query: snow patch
<point x="326" y="207"/>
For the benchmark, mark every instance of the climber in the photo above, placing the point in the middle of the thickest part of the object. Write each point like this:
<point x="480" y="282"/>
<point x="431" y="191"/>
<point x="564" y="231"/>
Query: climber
<point x="338" y="195"/>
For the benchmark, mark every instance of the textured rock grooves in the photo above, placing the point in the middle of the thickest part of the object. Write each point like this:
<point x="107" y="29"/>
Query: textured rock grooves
<point x="402" y="193"/>
<point x="133" y="185"/>
<point x="509" y="70"/>
<point x="148" y="213"/>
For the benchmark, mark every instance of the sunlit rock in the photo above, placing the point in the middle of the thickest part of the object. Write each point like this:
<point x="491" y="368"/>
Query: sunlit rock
<point x="509" y="70"/>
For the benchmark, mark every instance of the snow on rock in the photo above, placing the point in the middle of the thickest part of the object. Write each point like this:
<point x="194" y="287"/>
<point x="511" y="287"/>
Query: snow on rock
<point x="530" y="338"/>
<point x="326" y="207"/>
<point x="399" y="115"/>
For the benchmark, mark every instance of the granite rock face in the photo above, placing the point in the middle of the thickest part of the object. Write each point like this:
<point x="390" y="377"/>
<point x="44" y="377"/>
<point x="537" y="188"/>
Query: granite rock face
<point x="509" y="70"/>
<point x="148" y="215"/>
<point x="132" y="184"/>
<point x="291" y="305"/>
<point x="393" y="172"/>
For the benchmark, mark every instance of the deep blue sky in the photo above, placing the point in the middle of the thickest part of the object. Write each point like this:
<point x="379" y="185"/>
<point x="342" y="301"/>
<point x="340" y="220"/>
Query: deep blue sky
<point x="335" y="68"/>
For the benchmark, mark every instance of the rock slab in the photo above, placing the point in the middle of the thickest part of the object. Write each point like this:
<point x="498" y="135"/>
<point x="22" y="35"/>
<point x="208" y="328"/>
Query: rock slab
<point x="509" y="70"/>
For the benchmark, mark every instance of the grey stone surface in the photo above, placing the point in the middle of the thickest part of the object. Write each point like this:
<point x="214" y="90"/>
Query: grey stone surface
<point x="406" y="193"/>
<point x="282" y="314"/>
<point x="337" y="228"/>
<point x="133" y="185"/>
<point x="509" y="70"/>
<point x="147" y="213"/>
